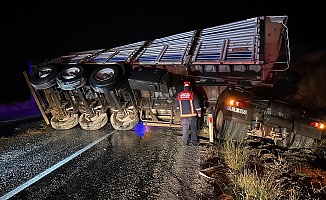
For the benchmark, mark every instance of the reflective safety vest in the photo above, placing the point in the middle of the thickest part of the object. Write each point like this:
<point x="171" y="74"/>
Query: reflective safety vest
<point x="188" y="103"/>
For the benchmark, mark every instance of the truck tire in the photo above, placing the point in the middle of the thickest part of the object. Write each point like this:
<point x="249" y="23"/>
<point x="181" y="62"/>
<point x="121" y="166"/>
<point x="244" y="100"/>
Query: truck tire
<point x="44" y="77"/>
<point x="320" y="149"/>
<point x="68" y="122"/>
<point x="120" y="121"/>
<point x="105" y="78"/>
<point x="300" y="142"/>
<point x="72" y="78"/>
<point x="94" y="123"/>
<point x="234" y="131"/>
<point x="229" y="130"/>
<point x="219" y="120"/>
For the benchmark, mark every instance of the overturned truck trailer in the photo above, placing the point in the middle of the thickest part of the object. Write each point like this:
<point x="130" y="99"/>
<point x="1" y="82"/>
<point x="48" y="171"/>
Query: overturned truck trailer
<point x="139" y="82"/>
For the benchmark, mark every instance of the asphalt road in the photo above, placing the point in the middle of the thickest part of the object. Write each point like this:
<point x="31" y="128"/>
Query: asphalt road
<point x="38" y="162"/>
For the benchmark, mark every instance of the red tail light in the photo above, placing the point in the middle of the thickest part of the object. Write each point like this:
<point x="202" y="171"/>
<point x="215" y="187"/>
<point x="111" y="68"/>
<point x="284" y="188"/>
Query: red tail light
<point x="234" y="102"/>
<point x="318" y="125"/>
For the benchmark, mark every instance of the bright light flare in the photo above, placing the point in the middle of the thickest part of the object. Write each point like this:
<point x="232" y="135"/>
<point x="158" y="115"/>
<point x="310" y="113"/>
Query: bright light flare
<point x="140" y="129"/>
<point x="233" y="102"/>
<point x="318" y="125"/>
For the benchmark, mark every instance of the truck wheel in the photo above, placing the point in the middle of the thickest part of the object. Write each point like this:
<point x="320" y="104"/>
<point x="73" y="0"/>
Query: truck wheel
<point x="297" y="141"/>
<point x="234" y="131"/>
<point x="124" y="120"/>
<point x="44" y="77"/>
<point x="105" y="78"/>
<point x="219" y="125"/>
<point x="93" y="123"/>
<point x="68" y="122"/>
<point x="300" y="142"/>
<point x="71" y="78"/>
<point x="320" y="149"/>
<point x="241" y="131"/>
<point x="229" y="130"/>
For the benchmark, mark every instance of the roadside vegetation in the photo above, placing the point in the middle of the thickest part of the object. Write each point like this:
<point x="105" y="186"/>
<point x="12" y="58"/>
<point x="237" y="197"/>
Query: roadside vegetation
<point x="241" y="172"/>
<point x="247" y="182"/>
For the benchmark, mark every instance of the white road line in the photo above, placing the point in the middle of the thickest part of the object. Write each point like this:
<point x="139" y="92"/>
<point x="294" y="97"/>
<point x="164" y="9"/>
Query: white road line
<point x="51" y="169"/>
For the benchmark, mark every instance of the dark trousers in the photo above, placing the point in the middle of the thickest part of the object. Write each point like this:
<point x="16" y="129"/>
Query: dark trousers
<point x="189" y="122"/>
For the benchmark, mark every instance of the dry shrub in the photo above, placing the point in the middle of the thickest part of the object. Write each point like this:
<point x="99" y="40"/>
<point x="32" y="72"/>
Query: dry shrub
<point x="247" y="183"/>
<point x="251" y="186"/>
<point x="235" y="154"/>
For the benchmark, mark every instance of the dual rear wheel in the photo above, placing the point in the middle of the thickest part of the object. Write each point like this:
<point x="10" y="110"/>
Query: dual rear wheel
<point x="103" y="80"/>
<point x="106" y="80"/>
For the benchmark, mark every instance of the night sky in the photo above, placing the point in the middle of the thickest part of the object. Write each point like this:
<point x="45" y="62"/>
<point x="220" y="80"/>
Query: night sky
<point x="37" y="31"/>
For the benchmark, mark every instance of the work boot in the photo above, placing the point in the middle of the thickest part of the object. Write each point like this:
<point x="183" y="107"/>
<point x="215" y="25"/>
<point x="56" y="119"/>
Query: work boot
<point x="195" y="143"/>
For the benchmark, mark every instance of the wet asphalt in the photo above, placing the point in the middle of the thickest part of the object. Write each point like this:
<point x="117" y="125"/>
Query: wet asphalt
<point x="38" y="162"/>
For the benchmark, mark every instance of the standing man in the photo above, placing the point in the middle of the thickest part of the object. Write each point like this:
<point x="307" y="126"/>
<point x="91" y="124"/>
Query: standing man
<point x="188" y="104"/>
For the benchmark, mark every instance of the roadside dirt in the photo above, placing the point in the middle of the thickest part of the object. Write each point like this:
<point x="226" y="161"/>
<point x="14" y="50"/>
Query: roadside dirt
<point x="297" y="174"/>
